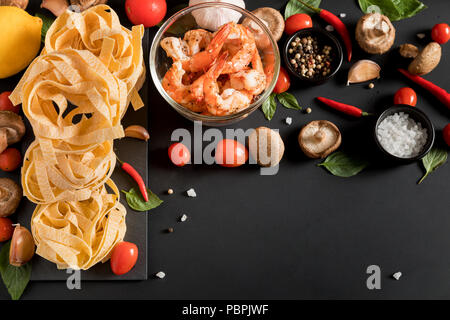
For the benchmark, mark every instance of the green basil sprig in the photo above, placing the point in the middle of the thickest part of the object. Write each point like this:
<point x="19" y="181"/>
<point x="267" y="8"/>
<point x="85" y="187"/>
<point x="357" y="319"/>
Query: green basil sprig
<point x="47" y="21"/>
<point x="434" y="159"/>
<point x="137" y="203"/>
<point x="344" y="165"/>
<point x="286" y="99"/>
<point x="394" y="9"/>
<point x="15" y="278"/>
<point x="294" y="7"/>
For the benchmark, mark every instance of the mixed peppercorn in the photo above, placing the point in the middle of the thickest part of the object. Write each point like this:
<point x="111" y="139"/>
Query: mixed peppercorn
<point x="308" y="59"/>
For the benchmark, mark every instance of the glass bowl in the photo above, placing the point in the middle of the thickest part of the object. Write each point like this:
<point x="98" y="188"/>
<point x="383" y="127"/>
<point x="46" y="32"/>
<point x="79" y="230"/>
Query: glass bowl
<point x="183" y="21"/>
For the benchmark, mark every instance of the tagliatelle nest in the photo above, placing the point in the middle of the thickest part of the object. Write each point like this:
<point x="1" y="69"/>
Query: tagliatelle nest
<point x="75" y="95"/>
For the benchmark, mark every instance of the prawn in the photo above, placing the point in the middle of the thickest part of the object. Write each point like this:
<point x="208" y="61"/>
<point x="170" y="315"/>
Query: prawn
<point x="197" y="40"/>
<point x="175" y="48"/>
<point x="242" y="44"/>
<point x="252" y="80"/>
<point x="230" y="100"/>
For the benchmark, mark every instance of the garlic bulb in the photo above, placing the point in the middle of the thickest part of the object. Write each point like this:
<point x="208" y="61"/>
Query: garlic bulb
<point x="213" y="18"/>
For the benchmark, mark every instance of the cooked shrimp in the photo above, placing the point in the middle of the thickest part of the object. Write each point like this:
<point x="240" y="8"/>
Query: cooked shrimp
<point x="175" y="48"/>
<point x="203" y="59"/>
<point x="241" y="38"/>
<point x="252" y="80"/>
<point x="197" y="40"/>
<point x="231" y="100"/>
<point x="269" y="65"/>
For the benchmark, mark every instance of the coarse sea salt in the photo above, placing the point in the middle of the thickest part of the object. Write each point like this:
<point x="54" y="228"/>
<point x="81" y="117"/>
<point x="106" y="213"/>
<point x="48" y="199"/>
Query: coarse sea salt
<point x="401" y="136"/>
<point x="191" y="193"/>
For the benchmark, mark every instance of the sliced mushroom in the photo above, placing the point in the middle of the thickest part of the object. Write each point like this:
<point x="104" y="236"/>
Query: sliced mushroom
<point x="319" y="138"/>
<point x="10" y="195"/>
<point x="408" y="50"/>
<point x="426" y="60"/>
<point x="22" y="4"/>
<point x="12" y="129"/>
<point x="271" y="18"/>
<point x="266" y="146"/>
<point x="375" y="33"/>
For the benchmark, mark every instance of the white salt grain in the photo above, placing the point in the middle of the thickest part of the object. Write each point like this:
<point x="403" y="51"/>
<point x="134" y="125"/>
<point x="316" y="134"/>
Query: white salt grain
<point x="183" y="218"/>
<point x="342" y="15"/>
<point x="401" y="136"/>
<point x="329" y="28"/>
<point x="397" y="275"/>
<point x="191" y="193"/>
<point x="288" y="121"/>
<point x="160" y="275"/>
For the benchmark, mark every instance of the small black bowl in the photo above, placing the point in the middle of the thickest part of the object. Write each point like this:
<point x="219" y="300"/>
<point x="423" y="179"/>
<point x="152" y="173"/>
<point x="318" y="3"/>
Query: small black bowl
<point x="418" y="116"/>
<point x="324" y="38"/>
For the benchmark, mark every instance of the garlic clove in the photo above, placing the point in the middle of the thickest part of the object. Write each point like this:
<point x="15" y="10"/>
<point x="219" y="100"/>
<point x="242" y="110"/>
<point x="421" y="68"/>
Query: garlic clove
<point x="138" y="132"/>
<point x="57" y="7"/>
<point x="22" y="247"/>
<point x="363" y="70"/>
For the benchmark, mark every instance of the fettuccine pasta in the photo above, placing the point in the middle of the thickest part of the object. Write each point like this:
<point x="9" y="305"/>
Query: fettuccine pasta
<point x="74" y="95"/>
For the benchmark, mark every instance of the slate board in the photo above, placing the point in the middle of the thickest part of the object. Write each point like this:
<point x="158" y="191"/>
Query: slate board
<point x="132" y="151"/>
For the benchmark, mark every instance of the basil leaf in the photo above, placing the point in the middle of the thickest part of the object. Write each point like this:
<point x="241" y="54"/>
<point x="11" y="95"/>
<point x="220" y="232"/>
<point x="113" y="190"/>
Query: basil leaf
<point x="294" y="7"/>
<point x="343" y="165"/>
<point x="434" y="159"/>
<point x="288" y="101"/>
<point x="137" y="203"/>
<point x="15" y="278"/>
<point x="269" y="106"/>
<point x="46" y="23"/>
<point x="394" y="9"/>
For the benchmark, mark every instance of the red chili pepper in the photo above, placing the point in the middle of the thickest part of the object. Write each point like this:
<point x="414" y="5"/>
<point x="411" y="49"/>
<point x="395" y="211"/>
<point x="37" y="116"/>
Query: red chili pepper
<point x="136" y="176"/>
<point x="345" y="108"/>
<point x="336" y="23"/>
<point x="438" y="92"/>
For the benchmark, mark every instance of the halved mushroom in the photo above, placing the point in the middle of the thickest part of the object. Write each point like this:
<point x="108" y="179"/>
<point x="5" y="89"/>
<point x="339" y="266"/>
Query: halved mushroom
<point x="319" y="138"/>
<point x="12" y="129"/>
<point x="272" y="19"/>
<point x="10" y="195"/>
<point x="375" y="33"/>
<point x="426" y="60"/>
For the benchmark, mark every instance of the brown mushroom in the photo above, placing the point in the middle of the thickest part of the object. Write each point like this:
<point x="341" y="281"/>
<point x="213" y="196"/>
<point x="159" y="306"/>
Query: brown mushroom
<point x="57" y="7"/>
<point x="375" y="33"/>
<point x="271" y="18"/>
<point x="22" y="4"/>
<point x="408" y="50"/>
<point x="266" y="146"/>
<point x="426" y="60"/>
<point x="12" y="129"/>
<point x="319" y="138"/>
<point x="10" y="195"/>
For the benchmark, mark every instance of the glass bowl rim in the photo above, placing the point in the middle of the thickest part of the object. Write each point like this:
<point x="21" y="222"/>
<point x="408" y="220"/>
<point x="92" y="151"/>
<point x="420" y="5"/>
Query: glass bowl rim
<point x="200" y="117"/>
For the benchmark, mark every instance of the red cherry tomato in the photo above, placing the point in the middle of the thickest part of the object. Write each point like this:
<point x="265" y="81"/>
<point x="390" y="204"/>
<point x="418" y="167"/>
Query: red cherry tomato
<point x="124" y="257"/>
<point x="146" y="12"/>
<point x="440" y="33"/>
<point x="283" y="82"/>
<point x="179" y="154"/>
<point x="405" y="96"/>
<point x="296" y="22"/>
<point x="6" y="229"/>
<point x="231" y="153"/>
<point x="6" y="104"/>
<point x="446" y="134"/>
<point x="10" y="159"/>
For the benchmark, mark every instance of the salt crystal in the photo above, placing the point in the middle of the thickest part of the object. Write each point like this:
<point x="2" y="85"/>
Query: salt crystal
<point x="191" y="193"/>
<point x="160" y="275"/>
<point x="342" y="15"/>
<point x="288" y="121"/>
<point x="329" y="28"/>
<point x="183" y="218"/>
<point x="397" y="275"/>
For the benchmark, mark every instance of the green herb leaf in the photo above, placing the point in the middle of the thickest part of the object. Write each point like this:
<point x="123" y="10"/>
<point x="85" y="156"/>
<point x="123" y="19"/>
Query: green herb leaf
<point x="137" y="203"/>
<point x="394" y="9"/>
<point x="46" y="23"/>
<point x="434" y="159"/>
<point x="294" y="7"/>
<point x="269" y="106"/>
<point x="288" y="101"/>
<point x="15" y="278"/>
<point x="343" y="165"/>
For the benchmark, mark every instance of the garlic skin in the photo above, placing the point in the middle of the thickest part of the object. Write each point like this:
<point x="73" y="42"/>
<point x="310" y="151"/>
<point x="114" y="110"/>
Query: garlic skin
<point x="362" y="71"/>
<point x="213" y="18"/>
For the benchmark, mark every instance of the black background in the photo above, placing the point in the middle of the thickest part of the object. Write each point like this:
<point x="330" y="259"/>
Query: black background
<point x="303" y="233"/>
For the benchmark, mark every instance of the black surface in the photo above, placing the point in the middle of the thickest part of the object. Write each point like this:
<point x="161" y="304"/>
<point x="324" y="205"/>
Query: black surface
<point x="302" y="233"/>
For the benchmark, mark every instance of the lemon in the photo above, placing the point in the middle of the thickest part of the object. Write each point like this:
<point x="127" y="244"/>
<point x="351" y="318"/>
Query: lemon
<point x="20" y="40"/>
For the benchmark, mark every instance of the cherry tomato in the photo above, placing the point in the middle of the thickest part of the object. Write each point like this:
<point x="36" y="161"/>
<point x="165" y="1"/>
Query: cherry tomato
<point x="296" y="22"/>
<point x="283" y="82"/>
<point x="179" y="154"/>
<point x="146" y="12"/>
<point x="6" y="229"/>
<point x="405" y="96"/>
<point x="446" y="134"/>
<point x="124" y="257"/>
<point x="440" y="33"/>
<point x="6" y="104"/>
<point x="231" y="153"/>
<point x="10" y="159"/>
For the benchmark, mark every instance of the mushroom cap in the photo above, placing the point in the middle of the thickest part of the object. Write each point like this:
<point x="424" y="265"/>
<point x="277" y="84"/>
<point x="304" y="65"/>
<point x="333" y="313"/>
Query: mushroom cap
<point x="319" y="138"/>
<point x="10" y="195"/>
<point x="375" y="33"/>
<point x="266" y="146"/>
<point x="426" y="60"/>
<point x="86" y="4"/>
<point x="271" y="17"/>
<point x="12" y="129"/>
